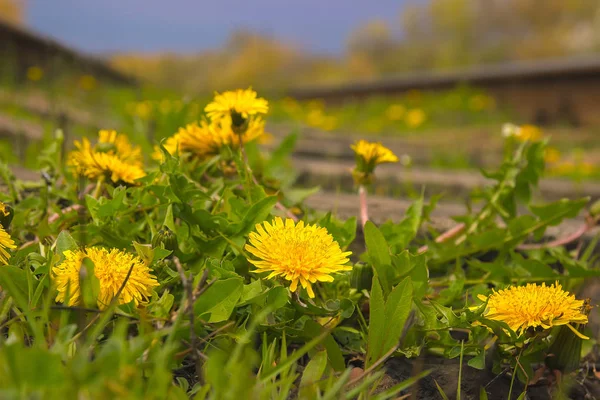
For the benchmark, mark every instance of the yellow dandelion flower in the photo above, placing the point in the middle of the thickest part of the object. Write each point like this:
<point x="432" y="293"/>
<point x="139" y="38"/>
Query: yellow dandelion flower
<point x="531" y="306"/>
<point x="111" y="268"/>
<point x="224" y="133"/>
<point x="368" y="155"/>
<point x="373" y="153"/>
<point x="395" y="112"/>
<point x="298" y="253"/>
<point x="481" y="102"/>
<point x="529" y="132"/>
<point x="206" y="140"/>
<point x="6" y="242"/>
<point x="87" y="82"/>
<point x="522" y="133"/>
<point x="143" y="110"/>
<point x="415" y="118"/>
<point x="551" y="155"/>
<point x="35" y="74"/>
<point x="122" y="146"/>
<point x="242" y="102"/>
<point x="112" y="158"/>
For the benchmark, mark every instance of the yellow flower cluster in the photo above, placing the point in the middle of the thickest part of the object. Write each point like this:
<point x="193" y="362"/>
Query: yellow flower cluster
<point x="234" y="118"/>
<point x="111" y="267"/>
<point x="368" y="155"/>
<point x="298" y="253"/>
<point x="112" y="158"/>
<point x="531" y="306"/>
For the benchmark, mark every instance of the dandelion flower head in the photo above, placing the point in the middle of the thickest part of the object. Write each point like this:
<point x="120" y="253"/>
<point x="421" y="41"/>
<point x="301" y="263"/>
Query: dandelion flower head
<point x="532" y="306"/>
<point x="415" y="117"/>
<point x="205" y="140"/>
<point x="112" y="158"/>
<point x="373" y="153"/>
<point x="522" y="133"/>
<point x="6" y="243"/>
<point x="111" y="268"/>
<point x="299" y="253"/>
<point x="245" y="103"/>
<point x="368" y="155"/>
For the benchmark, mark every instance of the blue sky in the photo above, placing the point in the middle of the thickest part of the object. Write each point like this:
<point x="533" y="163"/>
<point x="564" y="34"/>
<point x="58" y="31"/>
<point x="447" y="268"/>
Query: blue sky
<point x="99" y="26"/>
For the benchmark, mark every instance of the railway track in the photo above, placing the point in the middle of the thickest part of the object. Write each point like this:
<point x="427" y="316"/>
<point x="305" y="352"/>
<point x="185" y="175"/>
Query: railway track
<point x="544" y="92"/>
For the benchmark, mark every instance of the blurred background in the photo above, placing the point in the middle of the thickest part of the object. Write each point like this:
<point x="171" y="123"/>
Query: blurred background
<point x="435" y="78"/>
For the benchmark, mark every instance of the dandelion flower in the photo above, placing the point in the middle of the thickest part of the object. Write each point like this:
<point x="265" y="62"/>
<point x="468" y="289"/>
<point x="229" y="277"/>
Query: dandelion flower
<point x="531" y="306"/>
<point x="87" y="82"/>
<point x="415" y="117"/>
<point x="111" y="268"/>
<point x="205" y="140"/>
<point x="373" y="153"/>
<point x="368" y="156"/>
<point x="35" y="74"/>
<point x="6" y="242"/>
<point x="522" y="133"/>
<point x="241" y="102"/>
<point x="298" y="253"/>
<point x="551" y="155"/>
<point x="112" y="158"/>
<point x="395" y="112"/>
<point x="111" y="140"/>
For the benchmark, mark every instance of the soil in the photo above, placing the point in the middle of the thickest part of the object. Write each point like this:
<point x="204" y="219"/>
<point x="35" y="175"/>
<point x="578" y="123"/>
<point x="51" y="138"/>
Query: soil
<point x="445" y="373"/>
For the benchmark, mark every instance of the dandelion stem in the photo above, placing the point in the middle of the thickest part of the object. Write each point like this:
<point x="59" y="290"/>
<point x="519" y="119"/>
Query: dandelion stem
<point x="364" y="208"/>
<point x="449" y="234"/>
<point x="588" y="225"/>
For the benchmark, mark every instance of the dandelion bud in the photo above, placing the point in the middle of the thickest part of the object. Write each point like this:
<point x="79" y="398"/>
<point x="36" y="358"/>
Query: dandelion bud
<point x="165" y="238"/>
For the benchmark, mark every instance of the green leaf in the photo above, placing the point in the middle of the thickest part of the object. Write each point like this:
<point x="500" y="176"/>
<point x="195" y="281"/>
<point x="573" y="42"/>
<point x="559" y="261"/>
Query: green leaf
<point x="376" y="323"/>
<point x="145" y="252"/>
<point x="33" y="368"/>
<point x="18" y="281"/>
<point x="161" y="308"/>
<point x="441" y="391"/>
<point x="279" y="155"/>
<point x="256" y="214"/>
<point x="251" y="292"/>
<point x="478" y="362"/>
<point x="334" y="354"/>
<point x="397" y="309"/>
<point x="221" y="269"/>
<point x="379" y="255"/>
<point x="89" y="284"/>
<point x="555" y="212"/>
<point x="219" y="300"/>
<point x="482" y="394"/>
<point x="277" y="297"/>
<point x="312" y="374"/>
<point x="65" y="242"/>
<point x="169" y="221"/>
<point x="407" y="229"/>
